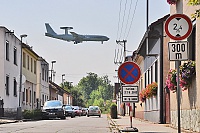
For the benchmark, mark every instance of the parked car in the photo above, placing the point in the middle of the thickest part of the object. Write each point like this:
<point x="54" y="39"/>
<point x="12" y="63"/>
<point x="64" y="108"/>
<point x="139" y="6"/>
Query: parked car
<point x="69" y="111"/>
<point x="53" y="109"/>
<point x="94" y="111"/>
<point x="77" y="110"/>
<point x="84" y="111"/>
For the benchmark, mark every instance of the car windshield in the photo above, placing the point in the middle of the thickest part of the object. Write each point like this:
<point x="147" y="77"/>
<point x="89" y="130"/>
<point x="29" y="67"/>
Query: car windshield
<point x="68" y="107"/>
<point x="93" y="108"/>
<point x="76" y="107"/>
<point x="52" y="104"/>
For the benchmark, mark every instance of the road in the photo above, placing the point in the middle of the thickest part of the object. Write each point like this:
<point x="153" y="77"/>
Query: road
<point x="83" y="124"/>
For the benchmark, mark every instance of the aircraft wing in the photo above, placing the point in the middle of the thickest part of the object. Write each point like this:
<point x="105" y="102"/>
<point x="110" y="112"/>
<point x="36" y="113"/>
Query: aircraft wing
<point x="77" y="36"/>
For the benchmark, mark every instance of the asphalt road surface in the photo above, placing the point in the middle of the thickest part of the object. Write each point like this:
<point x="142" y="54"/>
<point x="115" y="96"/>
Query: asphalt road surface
<point x="83" y="124"/>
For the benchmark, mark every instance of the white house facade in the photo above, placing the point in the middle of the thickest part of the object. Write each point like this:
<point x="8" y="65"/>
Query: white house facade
<point x="42" y="89"/>
<point x="10" y="47"/>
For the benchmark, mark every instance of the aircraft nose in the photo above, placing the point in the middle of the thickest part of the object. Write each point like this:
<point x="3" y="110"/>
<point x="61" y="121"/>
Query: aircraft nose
<point x="107" y="38"/>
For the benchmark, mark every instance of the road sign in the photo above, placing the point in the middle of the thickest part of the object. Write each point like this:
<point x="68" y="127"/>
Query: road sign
<point x="130" y="94"/>
<point x="178" y="51"/>
<point x="178" y="26"/>
<point x="129" y="72"/>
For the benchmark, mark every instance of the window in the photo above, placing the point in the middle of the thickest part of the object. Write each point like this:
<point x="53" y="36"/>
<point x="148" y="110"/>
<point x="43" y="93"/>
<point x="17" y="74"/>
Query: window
<point x="145" y="79"/>
<point x="26" y="95"/>
<point x="34" y="94"/>
<point x="152" y="74"/>
<point x="34" y="67"/>
<point x="192" y="44"/>
<point x="42" y="73"/>
<point x="156" y="71"/>
<point x="24" y="60"/>
<point x="23" y="95"/>
<point x="43" y="99"/>
<point x="7" y="85"/>
<point x="7" y="50"/>
<point x="30" y="96"/>
<point x="15" y="55"/>
<point x="149" y="80"/>
<point x="28" y="62"/>
<point x="15" y="88"/>
<point x="31" y="65"/>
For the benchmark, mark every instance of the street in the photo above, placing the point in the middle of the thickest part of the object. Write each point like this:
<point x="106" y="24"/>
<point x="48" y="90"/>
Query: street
<point x="81" y="124"/>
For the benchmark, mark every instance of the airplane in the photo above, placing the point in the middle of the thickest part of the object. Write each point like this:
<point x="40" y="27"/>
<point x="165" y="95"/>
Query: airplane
<point x="76" y="38"/>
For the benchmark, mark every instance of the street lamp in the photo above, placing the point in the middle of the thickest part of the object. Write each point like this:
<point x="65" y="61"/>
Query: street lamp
<point x="19" y="110"/>
<point x="63" y="78"/>
<point x="52" y="68"/>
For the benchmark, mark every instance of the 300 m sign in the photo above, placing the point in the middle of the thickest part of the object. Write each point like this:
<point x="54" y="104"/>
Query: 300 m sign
<point x="178" y="51"/>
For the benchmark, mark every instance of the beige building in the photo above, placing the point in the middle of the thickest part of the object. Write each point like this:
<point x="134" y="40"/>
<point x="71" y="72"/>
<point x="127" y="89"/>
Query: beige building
<point x="190" y="104"/>
<point x="29" y="70"/>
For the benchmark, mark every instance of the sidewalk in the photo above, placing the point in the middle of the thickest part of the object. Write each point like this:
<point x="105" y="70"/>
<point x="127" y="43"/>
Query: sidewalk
<point x="5" y="120"/>
<point x="143" y="126"/>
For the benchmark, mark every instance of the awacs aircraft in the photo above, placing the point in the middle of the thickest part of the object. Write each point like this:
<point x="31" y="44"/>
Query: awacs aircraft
<point x="76" y="38"/>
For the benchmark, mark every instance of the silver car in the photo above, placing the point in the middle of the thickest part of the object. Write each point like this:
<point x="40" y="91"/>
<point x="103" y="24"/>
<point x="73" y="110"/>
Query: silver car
<point x="94" y="111"/>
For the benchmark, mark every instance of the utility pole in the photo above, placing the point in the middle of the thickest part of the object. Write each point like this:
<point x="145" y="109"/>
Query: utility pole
<point x="122" y="43"/>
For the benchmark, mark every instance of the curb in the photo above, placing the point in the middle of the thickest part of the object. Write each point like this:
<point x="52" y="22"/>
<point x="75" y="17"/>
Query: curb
<point x="8" y="121"/>
<point x="113" y="125"/>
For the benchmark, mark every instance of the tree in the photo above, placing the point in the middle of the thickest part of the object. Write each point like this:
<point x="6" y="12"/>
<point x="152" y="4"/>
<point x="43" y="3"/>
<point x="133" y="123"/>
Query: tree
<point x="88" y="84"/>
<point x="195" y="3"/>
<point x="95" y="89"/>
<point x="77" y="97"/>
<point x="67" y="86"/>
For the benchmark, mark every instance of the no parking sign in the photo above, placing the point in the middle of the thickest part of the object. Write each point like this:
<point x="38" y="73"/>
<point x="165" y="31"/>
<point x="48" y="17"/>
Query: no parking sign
<point x="129" y="72"/>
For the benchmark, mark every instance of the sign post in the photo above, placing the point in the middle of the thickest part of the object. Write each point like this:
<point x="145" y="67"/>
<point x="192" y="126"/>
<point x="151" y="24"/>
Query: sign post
<point x="178" y="27"/>
<point x="129" y="73"/>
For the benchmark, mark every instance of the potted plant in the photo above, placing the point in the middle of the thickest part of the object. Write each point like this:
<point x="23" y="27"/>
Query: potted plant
<point x="187" y="71"/>
<point x="171" y="82"/>
<point x="172" y="2"/>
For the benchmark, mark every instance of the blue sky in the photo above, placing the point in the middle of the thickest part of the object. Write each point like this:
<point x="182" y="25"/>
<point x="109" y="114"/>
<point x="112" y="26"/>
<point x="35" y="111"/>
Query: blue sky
<point x="86" y="17"/>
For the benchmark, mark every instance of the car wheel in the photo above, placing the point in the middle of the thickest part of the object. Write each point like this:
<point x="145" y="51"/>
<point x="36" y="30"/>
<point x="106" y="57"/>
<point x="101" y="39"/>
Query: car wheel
<point x="99" y="115"/>
<point x="88" y="116"/>
<point x="63" y="118"/>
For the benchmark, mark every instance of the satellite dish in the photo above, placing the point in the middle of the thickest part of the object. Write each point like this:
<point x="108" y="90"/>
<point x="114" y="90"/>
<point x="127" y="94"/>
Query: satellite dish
<point x="23" y="79"/>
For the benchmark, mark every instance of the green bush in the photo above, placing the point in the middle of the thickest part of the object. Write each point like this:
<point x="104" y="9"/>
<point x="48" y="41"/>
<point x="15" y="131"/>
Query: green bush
<point x="32" y="114"/>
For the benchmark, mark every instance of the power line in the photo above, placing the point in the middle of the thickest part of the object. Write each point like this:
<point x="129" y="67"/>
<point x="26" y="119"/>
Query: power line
<point x="128" y="18"/>
<point x="132" y="19"/>
<point x="123" y="20"/>
<point x="119" y="18"/>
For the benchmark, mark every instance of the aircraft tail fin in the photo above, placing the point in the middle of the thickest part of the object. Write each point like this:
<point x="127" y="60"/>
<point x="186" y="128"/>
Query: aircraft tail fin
<point x="49" y="29"/>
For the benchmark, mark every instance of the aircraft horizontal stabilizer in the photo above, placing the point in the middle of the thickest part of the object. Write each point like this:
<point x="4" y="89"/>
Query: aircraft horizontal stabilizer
<point x="68" y="28"/>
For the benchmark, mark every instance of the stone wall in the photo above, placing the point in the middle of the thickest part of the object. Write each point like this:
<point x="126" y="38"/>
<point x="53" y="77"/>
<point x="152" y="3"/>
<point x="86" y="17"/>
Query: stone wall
<point x="190" y="119"/>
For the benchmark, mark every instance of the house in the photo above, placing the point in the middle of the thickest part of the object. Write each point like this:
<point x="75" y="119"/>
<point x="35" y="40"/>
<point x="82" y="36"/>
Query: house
<point x="190" y="104"/>
<point x="58" y="93"/>
<point x="42" y="89"/>
<point x="151" y="56"/>
<point x="29" y="70"/>
<point x="10" y="53"/>
<point x="53" y="91"/>
<point x="17" y="58"/>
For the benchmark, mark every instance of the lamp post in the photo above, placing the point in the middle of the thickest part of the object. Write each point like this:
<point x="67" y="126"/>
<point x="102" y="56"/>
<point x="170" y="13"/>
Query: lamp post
<point x="63" y="79"/>
<point x="19" y="110"/>
<point x="52" y="68"/>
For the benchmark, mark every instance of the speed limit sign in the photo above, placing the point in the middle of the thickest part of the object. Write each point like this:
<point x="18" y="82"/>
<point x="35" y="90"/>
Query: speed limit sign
<point x="178" y="26"/>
